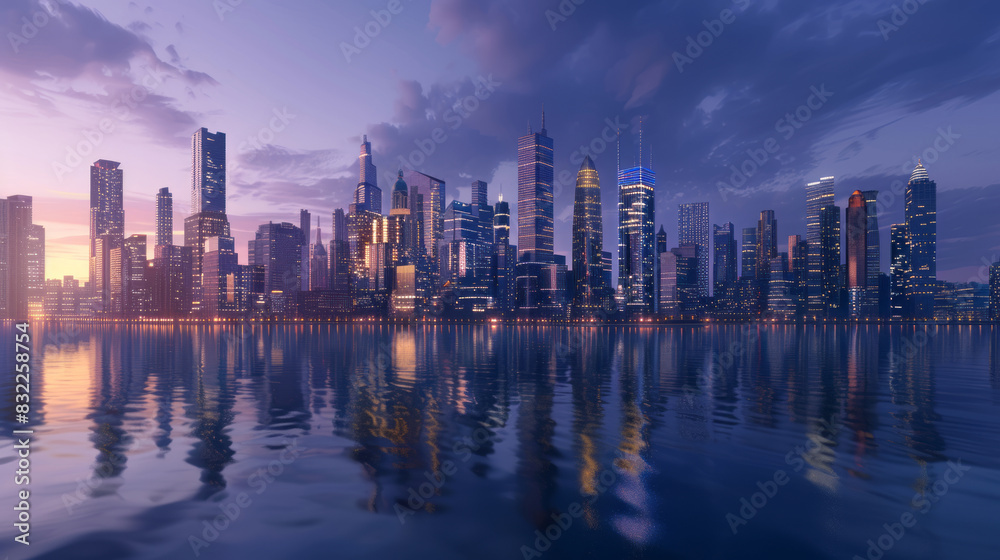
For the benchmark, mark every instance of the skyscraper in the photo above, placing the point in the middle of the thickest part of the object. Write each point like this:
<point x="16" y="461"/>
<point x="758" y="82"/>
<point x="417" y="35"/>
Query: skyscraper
<point x="367" y="196"/>
<point x="278" y="248"/>
<point x="995" y="292"/>
<point x="164" y="217"/>
<point x="432" y="190"/>
<point x="857" y="253"/>
<point x="35" y="273"/>
<point x="482" y="210"/>
<point x="899" y="268"/>
<point x="588" y="241"/>
<point x="818" y="196"/>
<point x="340" y="262"/>
<point x="921" y="222"/>
<point x="208" y="172"/>
<point x="535" y="221"/>
<point x="692" y="227"/>
<point x="724" y="265"/>
<point x="504" y="258"/>
<point x="798" y="266"/>
<point x="748" y="250"/>
<point x="874" y="265"/>
<point x="830" y="252"/>
<point x="636" y="238"/>
<point x="208" y="202"/>
<point x="107" y="222"/>
<point x="767" y="249"/>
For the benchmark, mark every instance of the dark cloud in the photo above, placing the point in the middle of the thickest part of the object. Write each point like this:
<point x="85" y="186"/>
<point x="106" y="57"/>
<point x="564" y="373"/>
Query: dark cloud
<point x="71" y="51"/>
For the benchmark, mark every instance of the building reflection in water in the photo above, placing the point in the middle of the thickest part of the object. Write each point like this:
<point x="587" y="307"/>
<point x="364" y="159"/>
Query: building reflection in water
<point x="535" y="415"/>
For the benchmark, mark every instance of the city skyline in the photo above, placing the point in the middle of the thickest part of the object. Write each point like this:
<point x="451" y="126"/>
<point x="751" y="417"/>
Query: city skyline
<point x="288" y="130"/>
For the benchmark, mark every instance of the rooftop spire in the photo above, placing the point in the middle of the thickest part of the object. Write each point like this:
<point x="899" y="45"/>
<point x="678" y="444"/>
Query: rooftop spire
<point x="543" y="118"/>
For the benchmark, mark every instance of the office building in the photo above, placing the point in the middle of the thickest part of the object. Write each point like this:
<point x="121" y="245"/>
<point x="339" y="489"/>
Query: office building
<point x="588" y="242"/>
<point x="636" y="239"/>
<point x="921" y="223"/>
<point x="819" y="195"/>
<point x="857" y="254"/>
<point x="164" y="217"/>
<point x="693" y="227"/>
<point x="899" y="268"/>
<point x="724" y="261"/>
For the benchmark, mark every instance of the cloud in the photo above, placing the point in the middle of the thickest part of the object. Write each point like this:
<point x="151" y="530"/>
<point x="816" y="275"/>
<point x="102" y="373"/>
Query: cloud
<point x="80" y="58"/>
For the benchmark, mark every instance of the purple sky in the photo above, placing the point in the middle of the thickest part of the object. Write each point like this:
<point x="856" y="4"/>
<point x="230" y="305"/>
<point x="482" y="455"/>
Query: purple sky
<point x="927" y="85"/>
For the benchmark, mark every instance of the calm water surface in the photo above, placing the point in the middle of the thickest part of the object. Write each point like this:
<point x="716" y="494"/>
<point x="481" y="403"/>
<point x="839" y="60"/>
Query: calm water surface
<point x="481" y="442"/>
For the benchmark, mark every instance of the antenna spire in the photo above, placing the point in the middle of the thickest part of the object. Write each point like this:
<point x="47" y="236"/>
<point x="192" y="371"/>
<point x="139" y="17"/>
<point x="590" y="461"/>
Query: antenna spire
<point x="543" y="118"/>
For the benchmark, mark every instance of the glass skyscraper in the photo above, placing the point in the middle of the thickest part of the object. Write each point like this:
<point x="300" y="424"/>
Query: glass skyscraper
<point x="921" y="223"/>
<point x="636" y="238"/>
<point x="899" y="267"/>
<point x="588" y="241"/>
<point x="724" y="265"/>
<point x="818" y="196"/>
<point x="857" y="253"/>
<point x="535" y="222"/>
<point x="107" y="226"/>
<point x="164" y="217"/>
<point x="208" y="177"/>
<point x="874" y="254"/>
<point x="692" y="227"/>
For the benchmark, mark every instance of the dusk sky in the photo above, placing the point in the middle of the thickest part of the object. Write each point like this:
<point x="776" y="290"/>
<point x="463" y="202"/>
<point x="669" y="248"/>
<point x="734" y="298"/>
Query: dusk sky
<point x="899" y="84"/>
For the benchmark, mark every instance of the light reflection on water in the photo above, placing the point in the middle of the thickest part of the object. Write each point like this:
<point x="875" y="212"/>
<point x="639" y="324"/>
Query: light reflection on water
<point x="463" y="441"/>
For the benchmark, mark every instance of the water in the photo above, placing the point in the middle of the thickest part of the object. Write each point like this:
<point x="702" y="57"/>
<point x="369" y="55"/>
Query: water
<point x="318" y="440"/>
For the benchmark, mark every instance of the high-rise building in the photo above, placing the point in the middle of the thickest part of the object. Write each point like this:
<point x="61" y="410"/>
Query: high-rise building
<point x="402" y="226"/>
<point x="172" y="280"/>
<point x="431" y="227"/>
<point x="135" y="277"/>
<point x="921" y="223"/>
<point x="857" y="254"/>
<point x="535" y="220"/>
<point x="818" y="196"/>
<point x="504" y="259"/>
<point x="798" y="266"/>
<point x="636" y="238"/>
<point x="278" y="248"/>
<point x="220" y="273"/>
<point x="748" y="250"/>
<point x="367" y="196"/>
<point x="692" y="227"/>
<point x="830" y="253"/>
<point x="767" y="249"/>
<point x="780" y="300"/>
<point x="724" y="265"/>
<point x="874" y="256"/>
<point x="35" y="273"/>
<point x="661" y="247"/>
<point x="208" y="172"/>
<point x="899" y="267"/>
<point x="164" y="217"/>
<point x="995" y="292"/>
<point x="588" y="242"/>
<point x="340" y="263"/>
<point x="319" y="264"/>
<point x="501" y="221"/>
<point x="107" y="222"/>
<point x="208" y="202"/>
<point x="482" y="210"/>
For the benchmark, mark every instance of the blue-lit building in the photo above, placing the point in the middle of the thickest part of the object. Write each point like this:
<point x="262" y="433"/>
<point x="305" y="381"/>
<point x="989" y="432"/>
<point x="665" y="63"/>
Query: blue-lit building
<point x="636" y="239"/>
